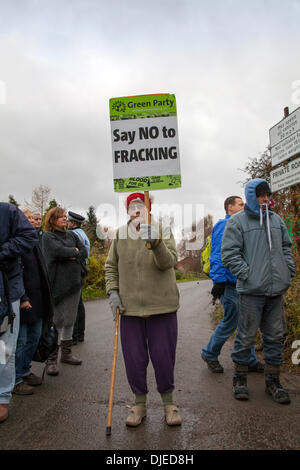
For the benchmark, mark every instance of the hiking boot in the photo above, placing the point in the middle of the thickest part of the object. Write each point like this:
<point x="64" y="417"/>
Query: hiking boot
<point x="258" y="367"/>
<point x="239" y="386"/>
<point x="23" y="389"/>
<point x="32" y="379"/>
<point x="66" y="353"/>
<point x="275" y="389"/>
<point x="213" y="366"/>
<point x="3" y="412"/>
<point x="51" y="363"/>
<point x="136" y="415"/>
<point x="172" y="416"/>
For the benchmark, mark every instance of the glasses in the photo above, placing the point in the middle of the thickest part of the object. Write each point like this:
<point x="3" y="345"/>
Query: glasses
<point x="136" y="207"/>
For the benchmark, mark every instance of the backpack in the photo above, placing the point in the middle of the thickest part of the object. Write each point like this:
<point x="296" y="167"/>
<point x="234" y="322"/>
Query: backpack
<point x="206" y="256"/>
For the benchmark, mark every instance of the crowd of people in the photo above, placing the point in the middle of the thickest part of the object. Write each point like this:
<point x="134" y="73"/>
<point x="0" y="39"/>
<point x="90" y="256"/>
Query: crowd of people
<point x="41" y="275"/>
<point x="251" y="266"/>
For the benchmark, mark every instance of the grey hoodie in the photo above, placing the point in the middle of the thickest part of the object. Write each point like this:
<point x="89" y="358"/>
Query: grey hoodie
<point x="256" y="247"/>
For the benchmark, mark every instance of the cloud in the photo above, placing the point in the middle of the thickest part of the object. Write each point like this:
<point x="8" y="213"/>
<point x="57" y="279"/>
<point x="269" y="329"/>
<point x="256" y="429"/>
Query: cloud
<point x="231" y="68"/>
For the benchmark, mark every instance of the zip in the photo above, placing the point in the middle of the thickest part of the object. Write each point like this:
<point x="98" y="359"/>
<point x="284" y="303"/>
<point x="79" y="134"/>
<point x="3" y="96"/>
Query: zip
<point x="270" y="263"/>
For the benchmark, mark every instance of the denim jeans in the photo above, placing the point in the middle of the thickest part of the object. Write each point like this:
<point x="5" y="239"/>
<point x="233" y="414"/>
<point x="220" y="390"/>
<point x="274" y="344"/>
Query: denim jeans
<point x="267" y="313"/>
<point x="7" y="366"/>
<point x="29" y="336"/>
<point x="226" y="328"/>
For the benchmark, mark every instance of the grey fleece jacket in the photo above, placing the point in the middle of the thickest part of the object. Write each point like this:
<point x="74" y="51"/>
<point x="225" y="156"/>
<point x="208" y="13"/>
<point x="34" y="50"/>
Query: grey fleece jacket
<point x="259" y="269"/>
<point x="145" y="278"/>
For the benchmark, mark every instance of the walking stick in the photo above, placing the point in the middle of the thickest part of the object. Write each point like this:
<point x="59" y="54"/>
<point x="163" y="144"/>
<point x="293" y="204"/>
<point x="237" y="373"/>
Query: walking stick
<point x="112" y="380"/>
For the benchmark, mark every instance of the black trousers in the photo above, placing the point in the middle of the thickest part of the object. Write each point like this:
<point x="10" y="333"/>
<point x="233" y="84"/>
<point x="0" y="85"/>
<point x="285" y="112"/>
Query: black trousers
<point x="79" y="325"/>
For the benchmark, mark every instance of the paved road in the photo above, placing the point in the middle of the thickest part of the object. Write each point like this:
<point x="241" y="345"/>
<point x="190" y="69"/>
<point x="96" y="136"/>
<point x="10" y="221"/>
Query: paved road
<point x="69" y="411"/>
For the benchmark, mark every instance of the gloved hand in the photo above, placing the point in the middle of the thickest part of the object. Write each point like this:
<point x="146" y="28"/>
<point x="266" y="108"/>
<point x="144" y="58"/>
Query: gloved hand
<point x="218" y="290"/>
<point x="150" y="234"/>
<point x="115" y="302"/>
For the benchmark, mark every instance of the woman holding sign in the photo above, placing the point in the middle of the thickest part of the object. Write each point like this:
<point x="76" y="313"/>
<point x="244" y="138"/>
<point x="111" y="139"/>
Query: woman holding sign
<point x="141" y="282"/>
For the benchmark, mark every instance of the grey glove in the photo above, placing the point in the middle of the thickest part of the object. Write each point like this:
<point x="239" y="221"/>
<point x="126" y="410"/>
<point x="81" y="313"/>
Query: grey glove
<point x="150" y="234"/>
<point x="115" y="302"/>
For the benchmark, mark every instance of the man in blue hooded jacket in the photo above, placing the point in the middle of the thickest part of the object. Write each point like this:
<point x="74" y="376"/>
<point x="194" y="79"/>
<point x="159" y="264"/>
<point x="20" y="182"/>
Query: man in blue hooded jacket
<point x="224" y="288"/>
<point x="256" y="247"/>
<point x="17" y="237"/>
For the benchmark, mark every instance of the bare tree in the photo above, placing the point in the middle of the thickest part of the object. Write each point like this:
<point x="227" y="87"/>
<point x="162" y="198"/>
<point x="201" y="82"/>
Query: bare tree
<point x="12" y="200"/>
<point x="193" y="240"/>
<point x="39" y="200"/>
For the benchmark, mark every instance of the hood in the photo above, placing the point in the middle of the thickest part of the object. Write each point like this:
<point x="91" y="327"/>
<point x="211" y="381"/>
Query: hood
<point x="250" y="195"/>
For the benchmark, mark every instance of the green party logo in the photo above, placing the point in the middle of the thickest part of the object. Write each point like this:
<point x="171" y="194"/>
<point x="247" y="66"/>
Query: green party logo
<point x="119" y="106"/>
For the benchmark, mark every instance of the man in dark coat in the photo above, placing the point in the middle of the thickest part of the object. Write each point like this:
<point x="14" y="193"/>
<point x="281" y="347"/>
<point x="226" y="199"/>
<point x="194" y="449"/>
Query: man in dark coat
<point x="35" y="309"/>
<point x="37" y="223"/>
<point x="17" y="237"/>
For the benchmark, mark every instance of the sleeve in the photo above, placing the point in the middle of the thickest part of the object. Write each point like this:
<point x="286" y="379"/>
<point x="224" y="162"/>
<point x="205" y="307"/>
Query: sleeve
<point x="217" y="270"/>
<point x="24" y="269"/>
<point x="232" y="250"/>
<point x="165" y="254"/>
<point x="287" y="248"/>
<point x="23" y="236"/>
<point x="24" y="298"/>
<point x="53" y="248"/>
<point x="111" y="268"/>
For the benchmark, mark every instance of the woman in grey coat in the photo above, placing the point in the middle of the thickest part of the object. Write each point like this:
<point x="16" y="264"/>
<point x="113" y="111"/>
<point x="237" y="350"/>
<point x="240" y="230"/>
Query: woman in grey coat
<point x="64" y="255"/>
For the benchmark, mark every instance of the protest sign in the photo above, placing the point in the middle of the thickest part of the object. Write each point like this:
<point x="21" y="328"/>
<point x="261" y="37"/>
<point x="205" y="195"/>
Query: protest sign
<point x="145" y="150"/>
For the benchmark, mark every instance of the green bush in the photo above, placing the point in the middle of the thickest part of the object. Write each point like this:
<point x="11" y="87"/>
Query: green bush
<point x="94" y="282"/>
<point x="292" y="312"/>
<point x="179" y="275"/>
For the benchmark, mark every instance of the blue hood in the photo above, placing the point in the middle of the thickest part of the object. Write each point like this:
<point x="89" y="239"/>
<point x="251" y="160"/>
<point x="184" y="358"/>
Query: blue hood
<point x="250" y="195"/>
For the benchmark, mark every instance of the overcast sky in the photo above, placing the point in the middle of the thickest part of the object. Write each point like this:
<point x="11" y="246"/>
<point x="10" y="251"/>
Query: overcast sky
<point x="233" y="66"/>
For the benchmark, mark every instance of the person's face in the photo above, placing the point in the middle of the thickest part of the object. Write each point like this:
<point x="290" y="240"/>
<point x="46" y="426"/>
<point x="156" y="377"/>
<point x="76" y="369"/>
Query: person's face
<point x="30" y="218"/>
<point x="71" y="224"/>
<point x="37" y="220"/>
<point x="263" y="199"/>
<point x="61" y="222"/>
<point x="236" y="207"/>
<point x="137" y="212"/>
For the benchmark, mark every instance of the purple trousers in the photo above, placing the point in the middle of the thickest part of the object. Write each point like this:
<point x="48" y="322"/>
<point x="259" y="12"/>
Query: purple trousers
<point x="155" y="336"/>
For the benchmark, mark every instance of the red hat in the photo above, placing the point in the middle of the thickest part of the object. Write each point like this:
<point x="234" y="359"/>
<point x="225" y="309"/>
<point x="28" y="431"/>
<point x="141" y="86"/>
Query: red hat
<point x="134" y="196"/>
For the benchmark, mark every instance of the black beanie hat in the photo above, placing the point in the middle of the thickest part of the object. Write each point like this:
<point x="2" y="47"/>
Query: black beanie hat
<point x="262" y="188"/>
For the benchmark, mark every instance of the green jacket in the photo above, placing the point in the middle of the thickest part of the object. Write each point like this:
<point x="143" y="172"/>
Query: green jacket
<point x="145" y="278"/>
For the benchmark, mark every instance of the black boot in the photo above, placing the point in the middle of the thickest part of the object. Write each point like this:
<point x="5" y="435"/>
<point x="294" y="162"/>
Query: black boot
<point x="239" y="386"/>
<point x="66" y="353"/>
<point x="51" y="363"/>
<point x="275" y="389"/>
